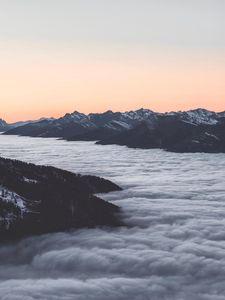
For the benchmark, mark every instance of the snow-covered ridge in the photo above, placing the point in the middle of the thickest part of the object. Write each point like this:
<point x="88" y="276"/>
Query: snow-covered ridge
<point x="12" y="207"/>
<point x="198" y="116"/>
<point x="125" y="119"/>
<point x="139" y="114"/>
<point x="76" y="125"/>
<point x="9" y="196"/>
<point x="75" y="117"/>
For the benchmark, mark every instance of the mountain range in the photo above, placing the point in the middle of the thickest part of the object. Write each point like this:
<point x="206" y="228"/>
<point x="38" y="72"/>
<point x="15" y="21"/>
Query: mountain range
<point x="198" y="130"/>
<point x="4" y="126"/>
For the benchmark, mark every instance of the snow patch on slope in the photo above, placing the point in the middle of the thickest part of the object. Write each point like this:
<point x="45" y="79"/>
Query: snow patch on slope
<point x="9" y="196"/>
<point x="30" y="180"/>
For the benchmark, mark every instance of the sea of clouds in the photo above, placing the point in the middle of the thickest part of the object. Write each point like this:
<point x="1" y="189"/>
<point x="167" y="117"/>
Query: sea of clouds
<point x="173" y="246"/>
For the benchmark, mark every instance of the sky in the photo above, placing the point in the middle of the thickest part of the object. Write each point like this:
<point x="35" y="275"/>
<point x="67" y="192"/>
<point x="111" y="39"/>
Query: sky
<point x="57" y="56"/>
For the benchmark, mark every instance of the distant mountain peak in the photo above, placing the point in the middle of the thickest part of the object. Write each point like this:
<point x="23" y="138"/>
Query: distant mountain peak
<point x="76" y="125"/>
<point x="2" y="122"/>
<point x="74" y="116"/>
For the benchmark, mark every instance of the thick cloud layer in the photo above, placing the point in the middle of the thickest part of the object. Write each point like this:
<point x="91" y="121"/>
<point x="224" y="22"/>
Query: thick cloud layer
<point x="173" y="247"/>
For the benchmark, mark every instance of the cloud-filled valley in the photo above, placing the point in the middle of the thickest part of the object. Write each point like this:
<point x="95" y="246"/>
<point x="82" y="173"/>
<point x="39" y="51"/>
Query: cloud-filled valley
<point x="172" y="247"/>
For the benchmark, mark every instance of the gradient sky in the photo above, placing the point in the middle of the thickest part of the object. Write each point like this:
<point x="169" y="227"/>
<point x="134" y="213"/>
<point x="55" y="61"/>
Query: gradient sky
<point x="58" y="56"/>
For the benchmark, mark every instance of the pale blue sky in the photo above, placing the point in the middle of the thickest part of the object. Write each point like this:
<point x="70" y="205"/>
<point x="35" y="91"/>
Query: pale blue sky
<point x="119" y="23"/>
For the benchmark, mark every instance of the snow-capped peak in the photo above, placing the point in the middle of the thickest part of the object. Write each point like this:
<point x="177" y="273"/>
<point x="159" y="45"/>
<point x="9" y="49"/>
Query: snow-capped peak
<point x="200" y="116"/>
<point x="76" y="116"/>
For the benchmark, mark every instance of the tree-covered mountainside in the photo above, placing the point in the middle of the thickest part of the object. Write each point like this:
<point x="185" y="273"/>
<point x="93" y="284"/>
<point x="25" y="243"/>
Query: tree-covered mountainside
<point x="40" y="199"/>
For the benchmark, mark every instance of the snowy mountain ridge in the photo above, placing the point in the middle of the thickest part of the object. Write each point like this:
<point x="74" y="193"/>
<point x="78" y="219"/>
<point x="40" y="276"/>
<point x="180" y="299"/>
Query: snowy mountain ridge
<point x="196" y="116"/>
<point x="199" y="116"/>
<point x="96" y="126"/>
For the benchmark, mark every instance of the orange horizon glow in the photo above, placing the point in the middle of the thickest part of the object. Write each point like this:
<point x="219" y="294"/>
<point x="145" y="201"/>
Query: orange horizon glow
<point x="37" y="84"/>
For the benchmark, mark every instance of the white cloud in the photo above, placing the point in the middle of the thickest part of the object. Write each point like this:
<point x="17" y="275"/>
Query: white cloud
<point x="173" y="247"/>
